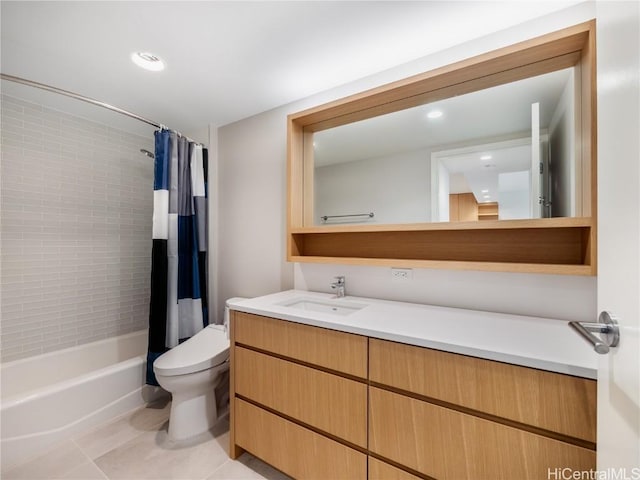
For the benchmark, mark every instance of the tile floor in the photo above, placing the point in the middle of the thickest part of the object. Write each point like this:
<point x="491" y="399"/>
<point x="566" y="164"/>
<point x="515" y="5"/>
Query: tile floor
<point x="135" y="447"/>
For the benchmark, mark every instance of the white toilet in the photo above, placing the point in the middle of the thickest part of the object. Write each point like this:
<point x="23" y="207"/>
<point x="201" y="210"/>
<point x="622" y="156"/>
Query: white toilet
<point x="191" y="371"/>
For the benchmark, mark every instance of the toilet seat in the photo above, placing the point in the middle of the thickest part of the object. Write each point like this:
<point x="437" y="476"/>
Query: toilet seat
<point x="206" y="349"/>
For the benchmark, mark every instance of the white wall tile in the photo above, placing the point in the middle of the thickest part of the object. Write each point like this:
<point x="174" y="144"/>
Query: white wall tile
<point x="77" y="200"/>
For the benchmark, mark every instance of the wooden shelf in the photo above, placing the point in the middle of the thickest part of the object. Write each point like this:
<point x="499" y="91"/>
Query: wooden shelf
<point x="555" y="246"/>
<point x="542" y="223"/>
<point x="581" y="270"/>
<point x="488" y="211"/>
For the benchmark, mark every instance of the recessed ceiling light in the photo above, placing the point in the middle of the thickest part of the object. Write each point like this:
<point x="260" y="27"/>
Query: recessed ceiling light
<point x="486" y="196"/>
<point x="434" y="114"/>
<point x="486" y="157"/>
<point x="148" y="61"/>
<point x="485" y="191"/>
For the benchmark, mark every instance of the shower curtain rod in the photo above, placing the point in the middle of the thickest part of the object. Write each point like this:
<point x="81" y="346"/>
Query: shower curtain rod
<point x="77" y="96"/>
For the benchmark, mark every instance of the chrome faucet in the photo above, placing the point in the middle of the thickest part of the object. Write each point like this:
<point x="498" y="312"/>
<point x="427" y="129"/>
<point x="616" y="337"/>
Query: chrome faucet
<point x="339" y="286"/>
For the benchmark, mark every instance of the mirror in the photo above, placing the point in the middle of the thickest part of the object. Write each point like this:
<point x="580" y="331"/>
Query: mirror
<point x="500" y="153"/>
<point x="435" y="199"/>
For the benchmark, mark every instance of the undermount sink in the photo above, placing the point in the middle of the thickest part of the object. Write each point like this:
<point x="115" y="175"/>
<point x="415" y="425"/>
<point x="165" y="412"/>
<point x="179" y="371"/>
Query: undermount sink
<point x="333" y="306"/>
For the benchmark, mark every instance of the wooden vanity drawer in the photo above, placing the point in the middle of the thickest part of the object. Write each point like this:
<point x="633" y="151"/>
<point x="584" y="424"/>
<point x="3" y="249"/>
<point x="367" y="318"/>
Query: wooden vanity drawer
<point x="546" y="400"/>
<point x="296" y="451"/>
<point x="339" y="351"/>
<point x="331" y="403"/>
<point x="379" y="470"/>
<point x="446" y="444"/>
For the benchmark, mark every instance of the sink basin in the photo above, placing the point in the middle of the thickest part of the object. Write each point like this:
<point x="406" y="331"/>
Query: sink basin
<point x="335" y="307"/>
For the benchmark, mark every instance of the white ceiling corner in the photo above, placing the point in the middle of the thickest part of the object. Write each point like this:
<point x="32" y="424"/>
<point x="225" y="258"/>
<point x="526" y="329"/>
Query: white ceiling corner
<point x="227" y="60"/>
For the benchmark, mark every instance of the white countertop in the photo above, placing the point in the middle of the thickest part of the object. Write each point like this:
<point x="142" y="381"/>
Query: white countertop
<point x="528" y="341"/>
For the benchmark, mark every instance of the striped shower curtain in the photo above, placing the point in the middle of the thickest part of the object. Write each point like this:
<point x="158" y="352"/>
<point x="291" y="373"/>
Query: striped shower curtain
<point x="178" y="307"/>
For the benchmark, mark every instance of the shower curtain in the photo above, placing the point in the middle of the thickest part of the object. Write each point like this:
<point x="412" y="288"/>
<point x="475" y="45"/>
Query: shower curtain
<point x="178" y="306"/>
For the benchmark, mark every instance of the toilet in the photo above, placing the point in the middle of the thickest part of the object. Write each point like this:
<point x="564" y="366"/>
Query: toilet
<point x="191" y="372"/>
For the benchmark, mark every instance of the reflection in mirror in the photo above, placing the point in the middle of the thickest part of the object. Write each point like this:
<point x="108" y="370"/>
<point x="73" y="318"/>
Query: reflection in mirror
<point x="506" y="152"/>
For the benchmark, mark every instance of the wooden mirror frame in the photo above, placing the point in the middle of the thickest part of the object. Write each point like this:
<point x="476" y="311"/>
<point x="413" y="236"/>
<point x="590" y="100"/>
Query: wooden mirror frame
<point x="547" y="245"/>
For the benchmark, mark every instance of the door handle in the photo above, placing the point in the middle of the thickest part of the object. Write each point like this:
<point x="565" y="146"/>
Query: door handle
<point x="607" y="325"/>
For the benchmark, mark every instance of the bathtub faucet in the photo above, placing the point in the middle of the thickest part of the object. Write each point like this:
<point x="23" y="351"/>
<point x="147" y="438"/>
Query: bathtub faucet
<point x="339" y="286"/>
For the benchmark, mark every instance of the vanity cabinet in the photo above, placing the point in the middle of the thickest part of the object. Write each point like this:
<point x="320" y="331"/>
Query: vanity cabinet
<point x="319" y="403"/>
<point x="546" y="401"/>
<point x="299" y="397"/>
<point x="451" y="416"/>
<point x="379" y="470"/>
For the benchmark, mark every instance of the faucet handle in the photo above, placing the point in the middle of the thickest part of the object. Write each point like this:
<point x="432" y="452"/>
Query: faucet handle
<point x="339" y="286"/>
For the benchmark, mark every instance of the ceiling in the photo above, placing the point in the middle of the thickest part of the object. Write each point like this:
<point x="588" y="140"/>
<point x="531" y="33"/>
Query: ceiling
<point x="479" y="137"/>
<point x="230" y="60"/>
<point x="483" y="116"/>
<point x="486" y="179"/>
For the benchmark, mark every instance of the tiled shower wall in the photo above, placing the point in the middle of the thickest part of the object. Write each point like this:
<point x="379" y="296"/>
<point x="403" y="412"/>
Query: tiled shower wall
<point x="76" y="212"/>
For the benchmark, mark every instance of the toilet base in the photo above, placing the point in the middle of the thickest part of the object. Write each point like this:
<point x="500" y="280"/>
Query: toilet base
<point x="193" y="401"/>
<point x="191" y="416"/>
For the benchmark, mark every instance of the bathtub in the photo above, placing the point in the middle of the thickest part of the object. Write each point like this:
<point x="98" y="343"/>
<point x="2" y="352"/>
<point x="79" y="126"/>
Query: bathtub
<point x="51" y="397"/>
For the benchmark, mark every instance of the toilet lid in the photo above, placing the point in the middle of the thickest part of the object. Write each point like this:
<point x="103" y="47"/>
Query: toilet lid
<point x="206" y="349"/>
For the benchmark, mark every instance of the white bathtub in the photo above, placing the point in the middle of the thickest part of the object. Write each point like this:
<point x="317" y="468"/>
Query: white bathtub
<point x="50" y="397"/>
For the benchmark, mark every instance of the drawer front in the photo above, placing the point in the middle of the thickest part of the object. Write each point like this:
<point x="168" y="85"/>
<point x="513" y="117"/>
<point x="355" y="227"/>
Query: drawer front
<point x="298" y="452"/>
<point x="331" y="403"/>
<point x="446" y="444"/>
<point x="379" y="470"/>
<point x="547" y="400"/>
<point x="339" y="351"/>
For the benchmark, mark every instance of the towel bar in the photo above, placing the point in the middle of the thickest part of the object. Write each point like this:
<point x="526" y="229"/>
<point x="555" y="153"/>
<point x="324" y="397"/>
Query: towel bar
<point x="327" y="217"/>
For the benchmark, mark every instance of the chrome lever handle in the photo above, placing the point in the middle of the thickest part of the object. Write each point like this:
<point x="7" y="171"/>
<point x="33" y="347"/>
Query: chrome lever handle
<point x="607" y="325"/>
<point x="584" y="329"/>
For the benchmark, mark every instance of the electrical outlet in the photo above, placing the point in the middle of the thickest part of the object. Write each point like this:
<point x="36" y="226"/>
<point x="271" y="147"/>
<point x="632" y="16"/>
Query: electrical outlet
<point x="401" y="274"/>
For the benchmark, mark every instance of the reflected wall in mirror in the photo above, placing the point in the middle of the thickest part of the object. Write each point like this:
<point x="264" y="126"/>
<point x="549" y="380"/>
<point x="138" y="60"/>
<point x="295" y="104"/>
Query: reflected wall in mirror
<point x="506" y="152"/>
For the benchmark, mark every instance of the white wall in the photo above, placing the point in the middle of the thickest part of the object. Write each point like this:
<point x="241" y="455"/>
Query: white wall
<point x="77" y="202"/>
<point x="443" y="208"/>
<point x="552" y="296"/>
<point x="397" y="189"/>
<point x="251" y="212"/>
<point x="513" y="195"/>
<point x="562" y="153"/>
<point x="252" y="223"/>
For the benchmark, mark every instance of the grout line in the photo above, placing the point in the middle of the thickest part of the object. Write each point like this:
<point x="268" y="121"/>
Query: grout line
<point x="75" y="442"/>
<point x="89" y="459"/>
<point x="216" y="469"/>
